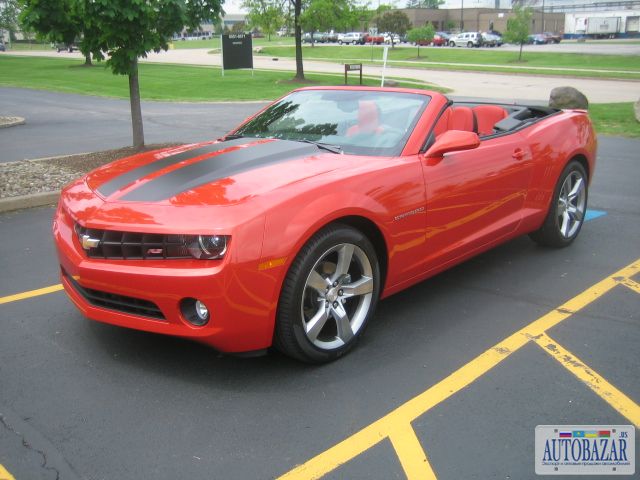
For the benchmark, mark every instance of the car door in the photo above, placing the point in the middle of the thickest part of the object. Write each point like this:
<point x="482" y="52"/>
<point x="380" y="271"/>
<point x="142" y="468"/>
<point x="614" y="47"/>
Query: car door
<point x="474" y="197"/>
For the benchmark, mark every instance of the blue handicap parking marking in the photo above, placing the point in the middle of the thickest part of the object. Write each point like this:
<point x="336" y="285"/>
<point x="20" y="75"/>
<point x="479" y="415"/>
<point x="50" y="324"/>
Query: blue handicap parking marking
<point x="592" y="214"/>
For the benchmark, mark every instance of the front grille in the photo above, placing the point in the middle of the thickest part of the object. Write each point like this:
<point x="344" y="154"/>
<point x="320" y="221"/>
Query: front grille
<point x="118" y="303"/>
<point x="116" y="245"/>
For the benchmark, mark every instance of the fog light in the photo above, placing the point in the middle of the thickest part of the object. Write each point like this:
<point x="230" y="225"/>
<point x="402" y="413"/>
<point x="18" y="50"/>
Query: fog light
<point x="202" y="311"/>
<point x="194" y="311"/>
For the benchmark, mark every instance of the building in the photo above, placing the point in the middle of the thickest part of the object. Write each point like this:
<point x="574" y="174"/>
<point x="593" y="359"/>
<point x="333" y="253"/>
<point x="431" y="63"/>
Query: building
<point x="481" y="19"/>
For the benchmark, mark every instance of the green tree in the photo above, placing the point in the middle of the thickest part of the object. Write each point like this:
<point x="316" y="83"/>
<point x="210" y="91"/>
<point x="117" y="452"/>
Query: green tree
<point x="60" y="21"/>
<point x="394" y="22"/>
<point x="267" y="15"/>
<point x="518" y="27"/>
<point x="424" y="34"/>
<point x="125" y="30"/>
<point x="9" y="11"/>
<point x="325" y="15"/>
<point x="239" y="27"/>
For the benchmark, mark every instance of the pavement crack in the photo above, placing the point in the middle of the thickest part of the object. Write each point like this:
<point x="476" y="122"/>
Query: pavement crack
<point x="28" y="446"/>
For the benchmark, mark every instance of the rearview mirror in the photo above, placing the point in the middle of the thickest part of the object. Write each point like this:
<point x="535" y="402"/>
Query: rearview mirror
<point x="453" y="141"/>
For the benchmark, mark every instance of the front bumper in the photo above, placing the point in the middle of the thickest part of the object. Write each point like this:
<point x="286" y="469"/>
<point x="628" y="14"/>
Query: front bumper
<point x="241" y="301"/>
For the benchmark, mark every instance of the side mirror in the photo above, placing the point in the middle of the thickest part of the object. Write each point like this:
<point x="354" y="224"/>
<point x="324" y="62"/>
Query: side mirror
<point x="453" y="141"/>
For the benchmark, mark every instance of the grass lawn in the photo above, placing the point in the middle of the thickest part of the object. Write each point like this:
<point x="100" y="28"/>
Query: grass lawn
<point x="616" y="119"/>
<point x="215" y="42"/>
<point x="157" y="82"/>
<point x="474" y="59"/>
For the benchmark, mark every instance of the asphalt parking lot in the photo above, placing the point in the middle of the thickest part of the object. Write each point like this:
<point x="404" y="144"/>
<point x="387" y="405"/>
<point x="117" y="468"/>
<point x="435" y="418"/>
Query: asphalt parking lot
<point x="450" y="381"/>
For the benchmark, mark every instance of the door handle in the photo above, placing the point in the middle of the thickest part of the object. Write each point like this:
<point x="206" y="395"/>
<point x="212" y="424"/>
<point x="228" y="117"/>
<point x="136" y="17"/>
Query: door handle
<point x="518" y="154"/>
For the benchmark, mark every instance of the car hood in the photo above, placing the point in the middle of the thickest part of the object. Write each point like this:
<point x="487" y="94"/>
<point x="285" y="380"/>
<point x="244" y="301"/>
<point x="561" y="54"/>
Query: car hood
<point x="231" y="180"/>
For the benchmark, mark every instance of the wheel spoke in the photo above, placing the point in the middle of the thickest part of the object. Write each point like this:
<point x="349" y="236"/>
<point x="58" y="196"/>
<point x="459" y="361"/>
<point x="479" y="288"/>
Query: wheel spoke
<point x="360" y="287"/>
<point x="345" y="333"/>
<point x="345" y="254"/>
<point x="566" y="223"/>
<point x="318" y="282"/>
<point x="576" y="190"/>
<point x="315" y="325"/>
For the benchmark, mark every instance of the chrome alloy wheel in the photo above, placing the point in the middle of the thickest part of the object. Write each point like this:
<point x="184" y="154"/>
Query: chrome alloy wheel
<point x="337" y="296"/>
<point x="572" y="202"/>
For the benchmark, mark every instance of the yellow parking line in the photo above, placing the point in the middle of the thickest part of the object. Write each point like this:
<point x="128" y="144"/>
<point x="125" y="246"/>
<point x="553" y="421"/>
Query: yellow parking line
<point x="383" y="428"/>
<point x="31" y="293"/>
<point x="4" y="474"/>
<point x="610" y="394"/>
<point x="411" y="454"/>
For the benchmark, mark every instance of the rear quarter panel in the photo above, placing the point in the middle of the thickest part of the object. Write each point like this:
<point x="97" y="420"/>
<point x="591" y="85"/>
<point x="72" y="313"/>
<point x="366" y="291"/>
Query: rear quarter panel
<point x="553" y="143"/>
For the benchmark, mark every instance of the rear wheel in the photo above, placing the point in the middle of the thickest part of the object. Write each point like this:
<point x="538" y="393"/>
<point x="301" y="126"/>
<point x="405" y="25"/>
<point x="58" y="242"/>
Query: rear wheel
<point x="329" y="295"/>
<point x="469" y="44"/>
<point x="567" y="210"/>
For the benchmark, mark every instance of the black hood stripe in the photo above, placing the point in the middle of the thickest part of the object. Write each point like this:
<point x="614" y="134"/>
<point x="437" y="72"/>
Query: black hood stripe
<point x="221" y="166"/>
<point x="116" y="183"/>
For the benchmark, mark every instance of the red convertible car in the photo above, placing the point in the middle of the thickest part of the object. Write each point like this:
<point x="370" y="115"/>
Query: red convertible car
<point x="288" y="231"/>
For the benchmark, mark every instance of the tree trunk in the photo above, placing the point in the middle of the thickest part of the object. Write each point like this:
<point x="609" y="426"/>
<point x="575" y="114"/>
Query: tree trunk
<point x="418" y="49"/>
<point x="297" y="9"/>
<point x="87" y="59"/>
<point x="520" y="56"/>
<point x="136" y="111"/>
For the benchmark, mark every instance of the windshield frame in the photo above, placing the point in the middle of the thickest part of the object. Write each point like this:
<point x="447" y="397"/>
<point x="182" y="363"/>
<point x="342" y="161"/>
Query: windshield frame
<point x="257" y="126"/>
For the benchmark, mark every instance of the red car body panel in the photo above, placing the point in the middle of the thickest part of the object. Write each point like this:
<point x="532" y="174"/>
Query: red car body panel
<point x="430" y="213"/>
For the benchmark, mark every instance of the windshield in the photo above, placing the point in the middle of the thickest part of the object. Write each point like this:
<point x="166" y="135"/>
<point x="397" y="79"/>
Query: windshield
<point x="360" y="122"/>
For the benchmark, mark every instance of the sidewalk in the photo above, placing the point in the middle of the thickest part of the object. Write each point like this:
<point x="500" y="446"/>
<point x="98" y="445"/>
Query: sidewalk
<point x="503" y="86"/>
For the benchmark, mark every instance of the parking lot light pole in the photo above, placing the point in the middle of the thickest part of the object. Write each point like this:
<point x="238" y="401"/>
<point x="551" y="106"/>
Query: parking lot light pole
<point x="461" y="16"/>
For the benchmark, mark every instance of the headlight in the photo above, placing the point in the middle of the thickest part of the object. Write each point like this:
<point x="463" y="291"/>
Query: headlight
<point x="208" y="246"/>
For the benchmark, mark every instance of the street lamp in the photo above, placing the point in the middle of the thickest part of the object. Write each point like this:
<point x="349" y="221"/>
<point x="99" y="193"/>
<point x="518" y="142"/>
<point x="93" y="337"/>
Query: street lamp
<point x="461" y="17"/>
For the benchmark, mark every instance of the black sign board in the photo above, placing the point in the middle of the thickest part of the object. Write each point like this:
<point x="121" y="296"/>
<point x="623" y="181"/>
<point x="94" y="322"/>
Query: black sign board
<point x="237" y="51"/>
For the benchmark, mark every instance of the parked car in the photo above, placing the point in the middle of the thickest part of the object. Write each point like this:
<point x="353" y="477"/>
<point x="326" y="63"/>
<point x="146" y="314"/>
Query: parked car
<point x="288" y="230"/>
<point x="466" y="39"/>
<point x="491" y="40"/>
<point x="552" y="37"/>
<point x="440" y="39"/>
<point x="537" y="39"/>
<point x="374" y="39"/>
<point x="318" y="37"/>
<point x="353" y="38"/>
<point x="65" y="47"/>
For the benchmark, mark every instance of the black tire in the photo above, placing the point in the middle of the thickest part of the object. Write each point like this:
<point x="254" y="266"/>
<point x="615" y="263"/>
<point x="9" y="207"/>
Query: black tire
<point x="318" y="264"/>
<point x="551" y="233"/>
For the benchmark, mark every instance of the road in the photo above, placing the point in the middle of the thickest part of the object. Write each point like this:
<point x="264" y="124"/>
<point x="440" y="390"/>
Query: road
<point x="60" y="124"/>
<point x="82" y="400"/>
<point x="501" y="86"/>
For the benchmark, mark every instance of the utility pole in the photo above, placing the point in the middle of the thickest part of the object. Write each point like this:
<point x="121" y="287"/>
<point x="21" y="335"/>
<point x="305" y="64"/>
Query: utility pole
<point x="543" y="26"/>
<point x="462" y="16"/>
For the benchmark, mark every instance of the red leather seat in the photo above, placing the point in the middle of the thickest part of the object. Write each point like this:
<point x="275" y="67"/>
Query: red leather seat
<point x="462" y="118"/>
<point x="487" y="116"/>
<point x="368" y="121"/>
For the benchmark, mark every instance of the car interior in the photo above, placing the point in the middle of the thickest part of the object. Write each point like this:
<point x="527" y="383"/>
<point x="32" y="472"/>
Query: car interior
<point x="489" y="119"/>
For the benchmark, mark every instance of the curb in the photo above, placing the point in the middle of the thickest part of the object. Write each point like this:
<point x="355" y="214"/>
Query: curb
<point x="28" y="201"/>
<point x="6" y="122"/>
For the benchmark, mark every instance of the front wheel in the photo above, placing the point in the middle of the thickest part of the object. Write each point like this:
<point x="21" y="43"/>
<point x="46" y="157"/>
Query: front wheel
<point x="568" y="207"/>
<point x="328" y="296"/>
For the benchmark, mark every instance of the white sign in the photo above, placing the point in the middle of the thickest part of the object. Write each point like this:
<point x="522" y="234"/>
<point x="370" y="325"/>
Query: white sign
<point x="585" y="450"/>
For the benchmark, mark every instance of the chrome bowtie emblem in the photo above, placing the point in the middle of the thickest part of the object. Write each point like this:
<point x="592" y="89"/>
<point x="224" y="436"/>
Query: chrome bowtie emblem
<point x="88" y="242"/>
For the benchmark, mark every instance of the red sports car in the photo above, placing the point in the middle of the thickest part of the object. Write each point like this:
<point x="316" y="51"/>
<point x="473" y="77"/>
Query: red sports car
<point x="288" y="231"/>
